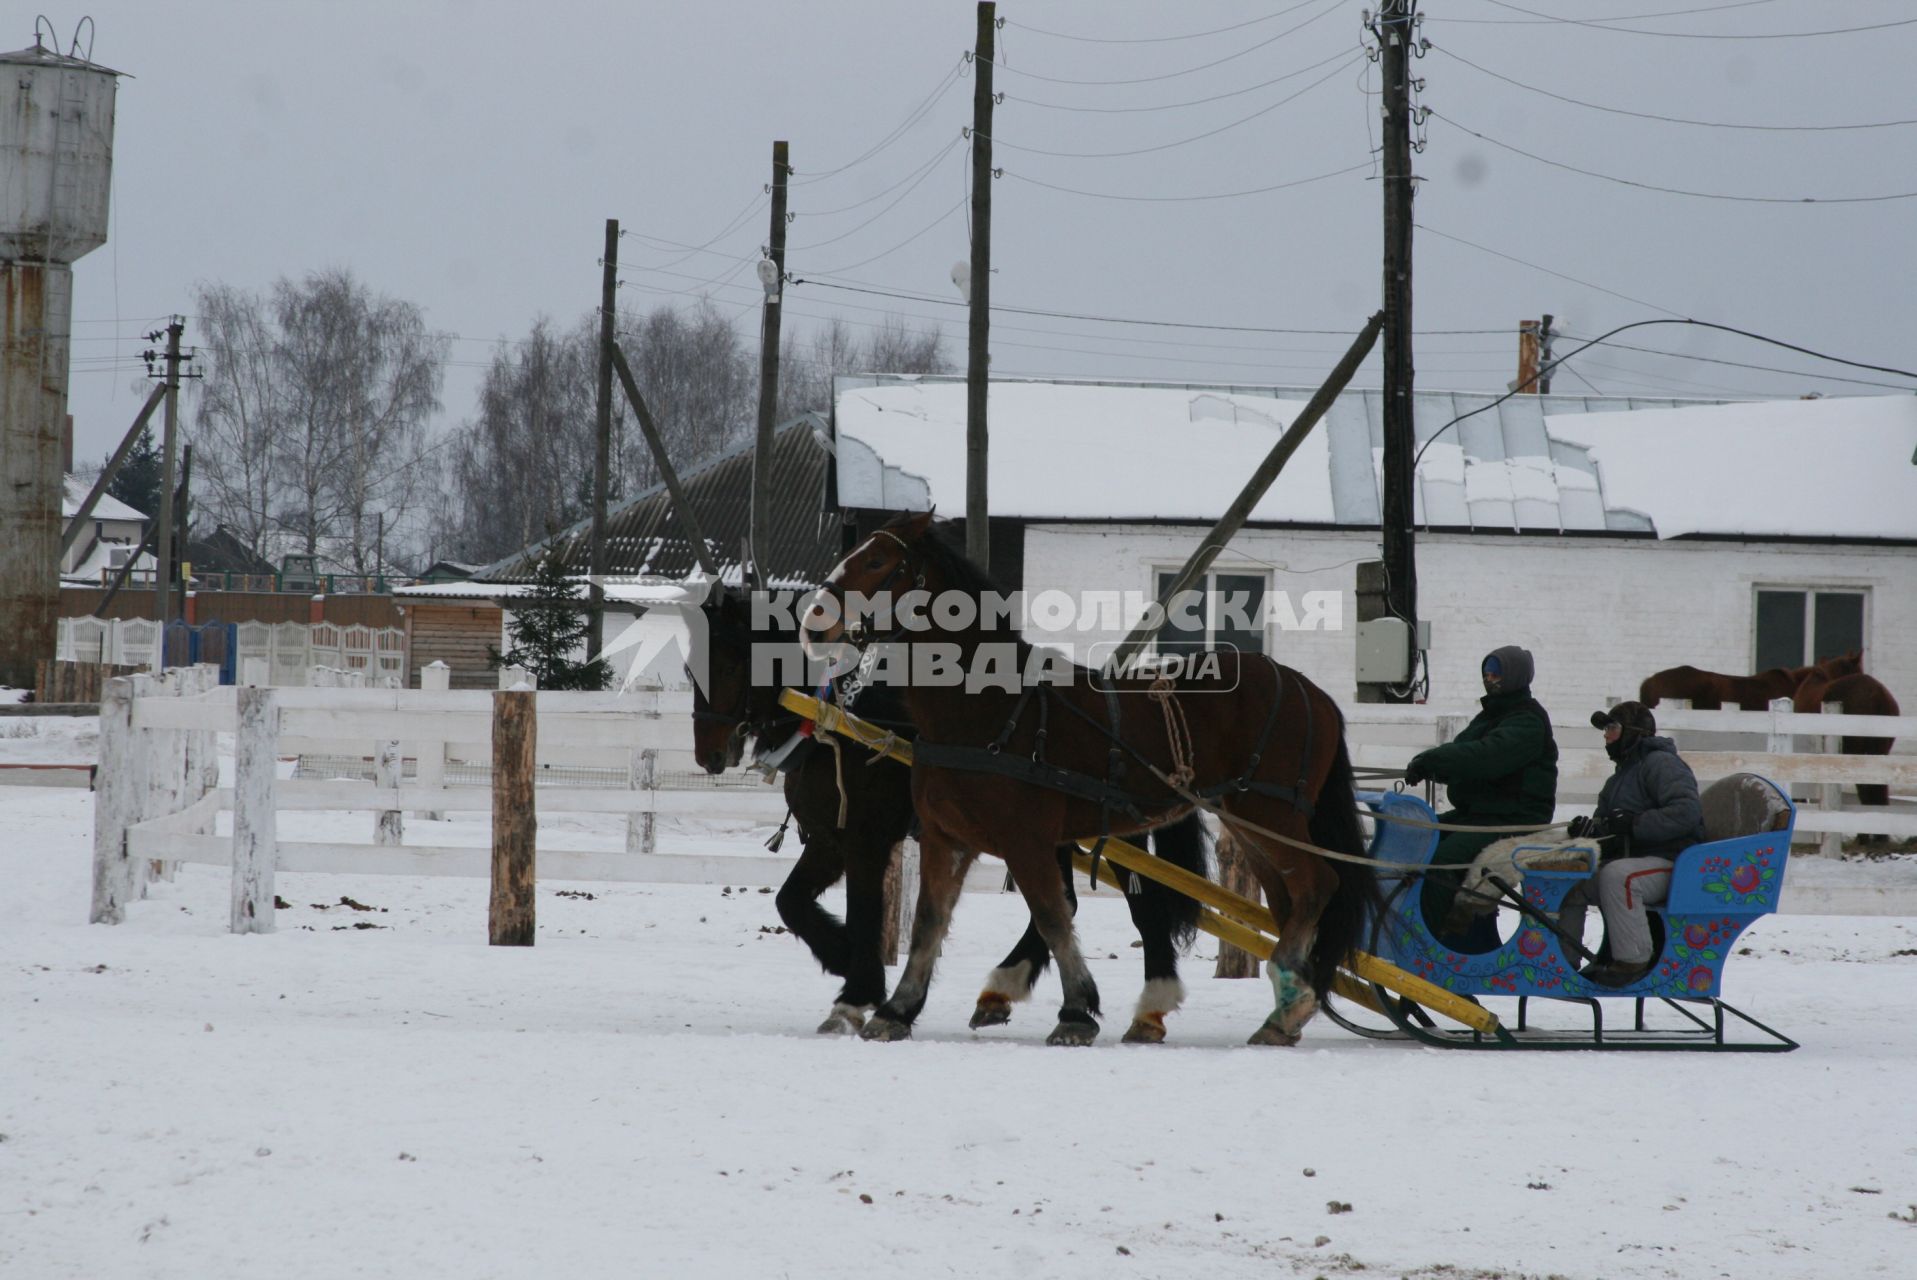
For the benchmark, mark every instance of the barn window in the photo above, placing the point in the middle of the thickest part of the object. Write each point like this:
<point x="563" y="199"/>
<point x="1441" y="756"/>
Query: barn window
<point x="1223" y="610"/>
<point x="1799" y="627"/>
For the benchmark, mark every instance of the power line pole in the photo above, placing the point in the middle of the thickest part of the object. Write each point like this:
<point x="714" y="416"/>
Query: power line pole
<point x="978" y="545"/>
<point x="602" y="441"/>
<point x="1394" y="29"/>
<point x="163" y="542"/>
<point x="772" y="276"/>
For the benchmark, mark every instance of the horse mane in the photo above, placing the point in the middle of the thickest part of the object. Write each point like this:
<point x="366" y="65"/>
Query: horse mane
<point x="939" y="545"/>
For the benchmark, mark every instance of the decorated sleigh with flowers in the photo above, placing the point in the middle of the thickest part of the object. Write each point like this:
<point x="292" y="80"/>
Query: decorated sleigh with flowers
<point x="1717" y="889"/>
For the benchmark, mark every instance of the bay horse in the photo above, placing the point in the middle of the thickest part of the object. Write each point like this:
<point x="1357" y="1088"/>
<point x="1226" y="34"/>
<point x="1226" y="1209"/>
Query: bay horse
<point x="1711" y="690"/>
<point x="853" y="809"/>
<point x="1858" y="695"/>
<point x="1076" y="753"/>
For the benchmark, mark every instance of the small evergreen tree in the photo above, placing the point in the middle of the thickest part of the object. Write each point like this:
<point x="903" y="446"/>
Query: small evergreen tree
<point x="549" y="626"/>
<point x="137" y="482"/>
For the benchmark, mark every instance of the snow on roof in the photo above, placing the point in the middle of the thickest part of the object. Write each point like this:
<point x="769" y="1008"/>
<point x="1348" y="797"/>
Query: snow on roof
<point x="1062" y="450"/>
<point x="1544" y="464"/>
<point x="107" y="508"/>
<point x="1841" y="467"/>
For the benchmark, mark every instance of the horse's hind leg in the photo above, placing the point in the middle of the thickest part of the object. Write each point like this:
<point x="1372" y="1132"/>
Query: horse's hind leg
<point x="1297" y="888"/>
<point x="1019" y="971"/>
<point x="942" y="867"/>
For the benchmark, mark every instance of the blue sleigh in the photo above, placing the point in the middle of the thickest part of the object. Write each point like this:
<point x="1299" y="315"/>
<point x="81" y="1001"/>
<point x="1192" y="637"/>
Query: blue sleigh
<point x="1717" y="889"/>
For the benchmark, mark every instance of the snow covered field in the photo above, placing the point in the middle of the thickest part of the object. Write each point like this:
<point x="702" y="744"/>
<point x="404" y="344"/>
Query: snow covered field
<point x="378" y="1093"/>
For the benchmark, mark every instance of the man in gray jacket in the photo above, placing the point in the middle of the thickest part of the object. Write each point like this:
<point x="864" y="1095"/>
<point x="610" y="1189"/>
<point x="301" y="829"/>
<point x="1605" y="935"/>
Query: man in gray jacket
<point x="1647" y="814"/>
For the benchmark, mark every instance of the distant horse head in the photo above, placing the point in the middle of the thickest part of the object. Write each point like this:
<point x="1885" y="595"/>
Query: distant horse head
<point x="730" y="708"/>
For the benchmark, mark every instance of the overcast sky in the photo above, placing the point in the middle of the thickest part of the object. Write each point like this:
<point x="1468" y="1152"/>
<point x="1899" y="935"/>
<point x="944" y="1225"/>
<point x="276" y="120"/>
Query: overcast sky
<point x="464" y="156"/>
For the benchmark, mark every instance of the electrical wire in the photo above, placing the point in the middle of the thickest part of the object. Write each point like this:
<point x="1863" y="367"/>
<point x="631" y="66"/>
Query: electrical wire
<point x="1623" y="17"/>
<point x="1196" y="35"/>
<point x="1738" y="364"/>
<point x="1199" y="137"/>
<point x="922" y="176"/>
<point x="898" y="131"/>
<point x="1206" y="66"/>
<point x="1524" y="386"/>
<point x="880" y="195"/>
<point x="1173" y="106"/>
<point x="1646" y="115"/>
<point x="1700" y="35"/>
<point x="1219" y="195"/>
<point x="853" y="266"/>
<point x="1672" y="191"/>
<point x="1546" y="270"/>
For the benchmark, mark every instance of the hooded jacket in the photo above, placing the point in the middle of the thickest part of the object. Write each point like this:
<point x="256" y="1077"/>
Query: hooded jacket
<point x="1654" y="785"/>
<point x="1504" y="766"/>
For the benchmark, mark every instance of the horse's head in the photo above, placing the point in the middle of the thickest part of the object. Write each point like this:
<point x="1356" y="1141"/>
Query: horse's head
<point x="728" y="709"/>
<point x="1846" y="664"/>
<point x="885" y="566"/>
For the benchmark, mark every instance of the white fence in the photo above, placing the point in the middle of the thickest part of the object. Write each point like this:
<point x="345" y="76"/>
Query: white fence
<point x="158" y="801"/>
<point x="291" y="650"/>
<point x="127" y="642"/>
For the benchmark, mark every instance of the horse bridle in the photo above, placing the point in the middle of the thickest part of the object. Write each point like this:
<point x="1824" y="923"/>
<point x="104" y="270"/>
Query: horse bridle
<point x="855" y="635"/>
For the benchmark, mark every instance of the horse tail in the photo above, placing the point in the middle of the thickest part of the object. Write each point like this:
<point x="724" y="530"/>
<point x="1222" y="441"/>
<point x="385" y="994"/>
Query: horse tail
<point x="1181" y="843"/>
<point x="1335" y="826"/>
<point x="1648" y="691"/>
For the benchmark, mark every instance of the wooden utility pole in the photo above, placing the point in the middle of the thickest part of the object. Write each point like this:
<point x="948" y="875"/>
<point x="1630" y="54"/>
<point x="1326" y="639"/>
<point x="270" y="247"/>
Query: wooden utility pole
<point x="163" y="543"/>
<point x="1395" y="33"/>
<point x="978" y="543"/>
<point x="759" y="533"/>
<point x="602" y="441"/>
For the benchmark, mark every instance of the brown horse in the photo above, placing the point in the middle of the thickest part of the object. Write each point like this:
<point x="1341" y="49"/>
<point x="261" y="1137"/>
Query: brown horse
<point x="1712" y="690"/>
<point x="1858" y="695"/>
<point x="1058" y="751"/>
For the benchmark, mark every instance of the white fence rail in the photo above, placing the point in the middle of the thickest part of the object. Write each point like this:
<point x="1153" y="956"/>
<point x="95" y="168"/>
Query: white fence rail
<point x="158" y="801"/>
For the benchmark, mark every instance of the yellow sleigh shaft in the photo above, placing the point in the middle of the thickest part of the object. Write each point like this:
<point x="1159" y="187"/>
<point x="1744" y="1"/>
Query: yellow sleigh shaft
<point x="1228" y="917"/>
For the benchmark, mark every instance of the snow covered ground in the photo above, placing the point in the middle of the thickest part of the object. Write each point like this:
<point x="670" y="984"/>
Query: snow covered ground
<point x="379" y="1093"/>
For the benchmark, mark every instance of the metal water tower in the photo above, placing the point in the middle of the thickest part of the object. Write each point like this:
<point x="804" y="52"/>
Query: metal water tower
<point x="56" y="165"/>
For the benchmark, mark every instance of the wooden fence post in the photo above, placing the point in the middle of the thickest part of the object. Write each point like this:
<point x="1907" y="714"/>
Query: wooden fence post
<point x="430" y="771"/>
<point x="255" y="820"/>
<point x="510" y="918"/>
<point x="116" y="803"/>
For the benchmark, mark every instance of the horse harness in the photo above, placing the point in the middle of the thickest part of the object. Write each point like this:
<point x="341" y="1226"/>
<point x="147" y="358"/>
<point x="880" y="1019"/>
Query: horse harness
<point x="1110" y="793"/>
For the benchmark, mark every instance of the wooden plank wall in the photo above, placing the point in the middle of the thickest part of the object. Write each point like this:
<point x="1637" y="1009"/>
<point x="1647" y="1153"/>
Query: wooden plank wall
<point x="460" y="635"/>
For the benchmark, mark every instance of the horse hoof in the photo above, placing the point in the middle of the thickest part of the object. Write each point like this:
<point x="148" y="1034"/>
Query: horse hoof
<point x="1145" y="1030"/>
<point x="1073" y="1034"/>
<point x="882" y="1028"/>
<point x="993" y="1010"/>
<point x="1277" y="1036"/>
<point x="843" y="1021"/>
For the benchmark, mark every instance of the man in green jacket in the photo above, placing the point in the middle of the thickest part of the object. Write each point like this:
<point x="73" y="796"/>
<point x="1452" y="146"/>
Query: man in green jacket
<point x="1501" y="771"/>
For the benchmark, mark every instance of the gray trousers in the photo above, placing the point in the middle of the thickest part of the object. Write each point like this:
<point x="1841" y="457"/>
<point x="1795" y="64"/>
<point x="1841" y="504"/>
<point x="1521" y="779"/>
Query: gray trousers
<point x="1623" y="889"/>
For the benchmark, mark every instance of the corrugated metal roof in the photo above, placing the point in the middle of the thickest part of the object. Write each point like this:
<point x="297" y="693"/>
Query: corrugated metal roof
<point x="644" y="537"/>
